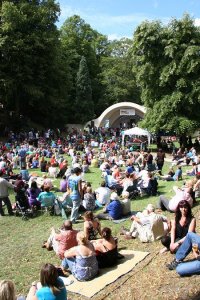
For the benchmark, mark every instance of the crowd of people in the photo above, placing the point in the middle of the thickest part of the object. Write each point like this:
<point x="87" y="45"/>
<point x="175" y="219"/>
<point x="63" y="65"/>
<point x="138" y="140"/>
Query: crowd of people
<point x="30" y="164"/>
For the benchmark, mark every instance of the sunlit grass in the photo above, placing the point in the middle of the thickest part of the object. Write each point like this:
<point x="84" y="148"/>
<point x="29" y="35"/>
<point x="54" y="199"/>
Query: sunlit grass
<point x="20" y="241"/>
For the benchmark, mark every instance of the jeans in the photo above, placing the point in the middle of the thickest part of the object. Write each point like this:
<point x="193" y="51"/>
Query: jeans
<point x="68" y="263"/>
<point x="65" y="205"/>
<point x="191" y="267"/>
<point x="75" y="208"/>
<point x="160" y="166"/>
<point x="6" y="200"/>
<point x="163" y="203"/>
<point x="104" y="216"/>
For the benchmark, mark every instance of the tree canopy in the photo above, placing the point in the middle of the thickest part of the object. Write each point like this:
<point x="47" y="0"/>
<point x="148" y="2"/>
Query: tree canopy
<point x="30" y="68"/>
<point x="43" y="73"/>
<point x="54" y="77"/>
<point x="167" y="65"/>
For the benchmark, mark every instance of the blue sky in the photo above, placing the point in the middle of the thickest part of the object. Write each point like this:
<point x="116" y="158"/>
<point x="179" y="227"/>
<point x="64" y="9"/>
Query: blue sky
<point x="119" y="18"/>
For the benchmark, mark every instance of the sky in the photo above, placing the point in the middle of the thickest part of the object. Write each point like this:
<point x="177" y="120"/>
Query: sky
<point x="119" y="18"/>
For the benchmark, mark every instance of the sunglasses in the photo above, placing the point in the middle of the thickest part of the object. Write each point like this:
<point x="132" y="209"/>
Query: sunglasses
<point x="183" y="206"/>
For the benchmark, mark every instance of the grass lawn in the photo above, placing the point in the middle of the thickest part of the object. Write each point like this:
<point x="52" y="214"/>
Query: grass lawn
<point x="22" y="256"/>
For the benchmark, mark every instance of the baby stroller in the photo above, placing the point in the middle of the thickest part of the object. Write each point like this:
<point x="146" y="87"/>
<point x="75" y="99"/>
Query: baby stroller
<point x="22" y="205"/>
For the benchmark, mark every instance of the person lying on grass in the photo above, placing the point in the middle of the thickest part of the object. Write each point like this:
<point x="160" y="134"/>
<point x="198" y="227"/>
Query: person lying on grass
<point x="171" y="205"/>
<point x="141" y="226"/>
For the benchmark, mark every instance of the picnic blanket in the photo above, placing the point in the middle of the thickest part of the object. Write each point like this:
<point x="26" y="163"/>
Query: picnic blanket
<point x="107" y="275"/>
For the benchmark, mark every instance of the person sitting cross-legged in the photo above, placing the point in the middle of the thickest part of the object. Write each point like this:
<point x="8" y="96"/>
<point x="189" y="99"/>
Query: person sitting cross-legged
<point x="89" y="199"/>
<point x="81" y="260"/>
<point x="113" y="210"/>
<point x="102" y="194"/>
<point x="173" y="177"/>
<point x="191" y="243"/>
<point x="126" y="204"/>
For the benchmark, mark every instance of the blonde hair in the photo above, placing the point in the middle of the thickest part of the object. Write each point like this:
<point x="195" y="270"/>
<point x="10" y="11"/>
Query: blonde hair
<point x="7" y="290"/>
<point x="125" y="194"/>
<point x="81" y="238"/>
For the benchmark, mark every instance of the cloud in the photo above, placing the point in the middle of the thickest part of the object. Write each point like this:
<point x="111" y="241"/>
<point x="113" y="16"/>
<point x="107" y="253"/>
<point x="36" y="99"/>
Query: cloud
<point x="108" y="20"/>
<point x="101" y="20"/>
<point x="67" y="11"/>
<point x="115" y="26"/>
<point x="197" y="22"/>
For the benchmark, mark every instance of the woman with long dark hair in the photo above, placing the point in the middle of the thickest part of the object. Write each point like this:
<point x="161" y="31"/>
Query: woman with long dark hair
<point x="52" y="287"/>
<point x="184" y="222"/>
<point x="106" y="249"/>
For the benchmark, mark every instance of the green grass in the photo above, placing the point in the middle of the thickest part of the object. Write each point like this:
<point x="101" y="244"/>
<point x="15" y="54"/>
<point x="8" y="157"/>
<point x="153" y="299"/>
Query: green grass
<point x="20" y="241"/>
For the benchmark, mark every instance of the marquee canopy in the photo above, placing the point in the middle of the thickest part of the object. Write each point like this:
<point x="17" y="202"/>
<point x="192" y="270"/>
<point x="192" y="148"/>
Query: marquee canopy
<point x="136" y="131"/>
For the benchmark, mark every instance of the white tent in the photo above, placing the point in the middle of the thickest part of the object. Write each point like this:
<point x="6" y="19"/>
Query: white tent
<point x="137" y="132"/>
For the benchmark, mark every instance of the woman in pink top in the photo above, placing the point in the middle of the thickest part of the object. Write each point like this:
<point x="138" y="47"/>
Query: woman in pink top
<point x="171" y="205"/>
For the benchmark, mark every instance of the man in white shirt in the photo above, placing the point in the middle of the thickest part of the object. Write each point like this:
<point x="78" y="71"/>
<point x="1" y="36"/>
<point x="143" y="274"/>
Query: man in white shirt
<point x="102" y="194"/>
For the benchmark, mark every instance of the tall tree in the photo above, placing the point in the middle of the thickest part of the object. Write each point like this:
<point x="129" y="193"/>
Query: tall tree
<point x="167" y="65"/>
<point x="117" y="77"/>
<point x="31" y="64"/>
<point x="84" y="104"/>
<point x="79" y="39"/>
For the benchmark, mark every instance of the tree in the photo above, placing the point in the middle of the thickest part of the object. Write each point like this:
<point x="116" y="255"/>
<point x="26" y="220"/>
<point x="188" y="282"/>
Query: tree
<point x="31" y="62"/>
<point x="79" y="39"/>
<point x="84" y="104"/>
<point x="117" y="76"/>
<point x="167" y="65"/>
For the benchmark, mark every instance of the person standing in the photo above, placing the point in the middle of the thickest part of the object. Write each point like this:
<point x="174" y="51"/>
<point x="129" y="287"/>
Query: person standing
<point x="149" y="161"/>
<point x="76" y="193"/>
<point x="160" y="159"/>
<point x="4" y="186"/>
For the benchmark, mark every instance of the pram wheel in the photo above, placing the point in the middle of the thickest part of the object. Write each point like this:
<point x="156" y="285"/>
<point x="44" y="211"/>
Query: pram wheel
<point x="17" y="213"/>
<point x="24" y="217"/>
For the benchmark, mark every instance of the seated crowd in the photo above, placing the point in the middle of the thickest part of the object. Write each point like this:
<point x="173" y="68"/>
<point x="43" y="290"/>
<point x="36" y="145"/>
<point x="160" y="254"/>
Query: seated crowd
<point x="125" y="175"/>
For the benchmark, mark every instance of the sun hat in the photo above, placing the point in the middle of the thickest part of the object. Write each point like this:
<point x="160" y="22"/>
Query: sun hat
<point x="150" y="207"/>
